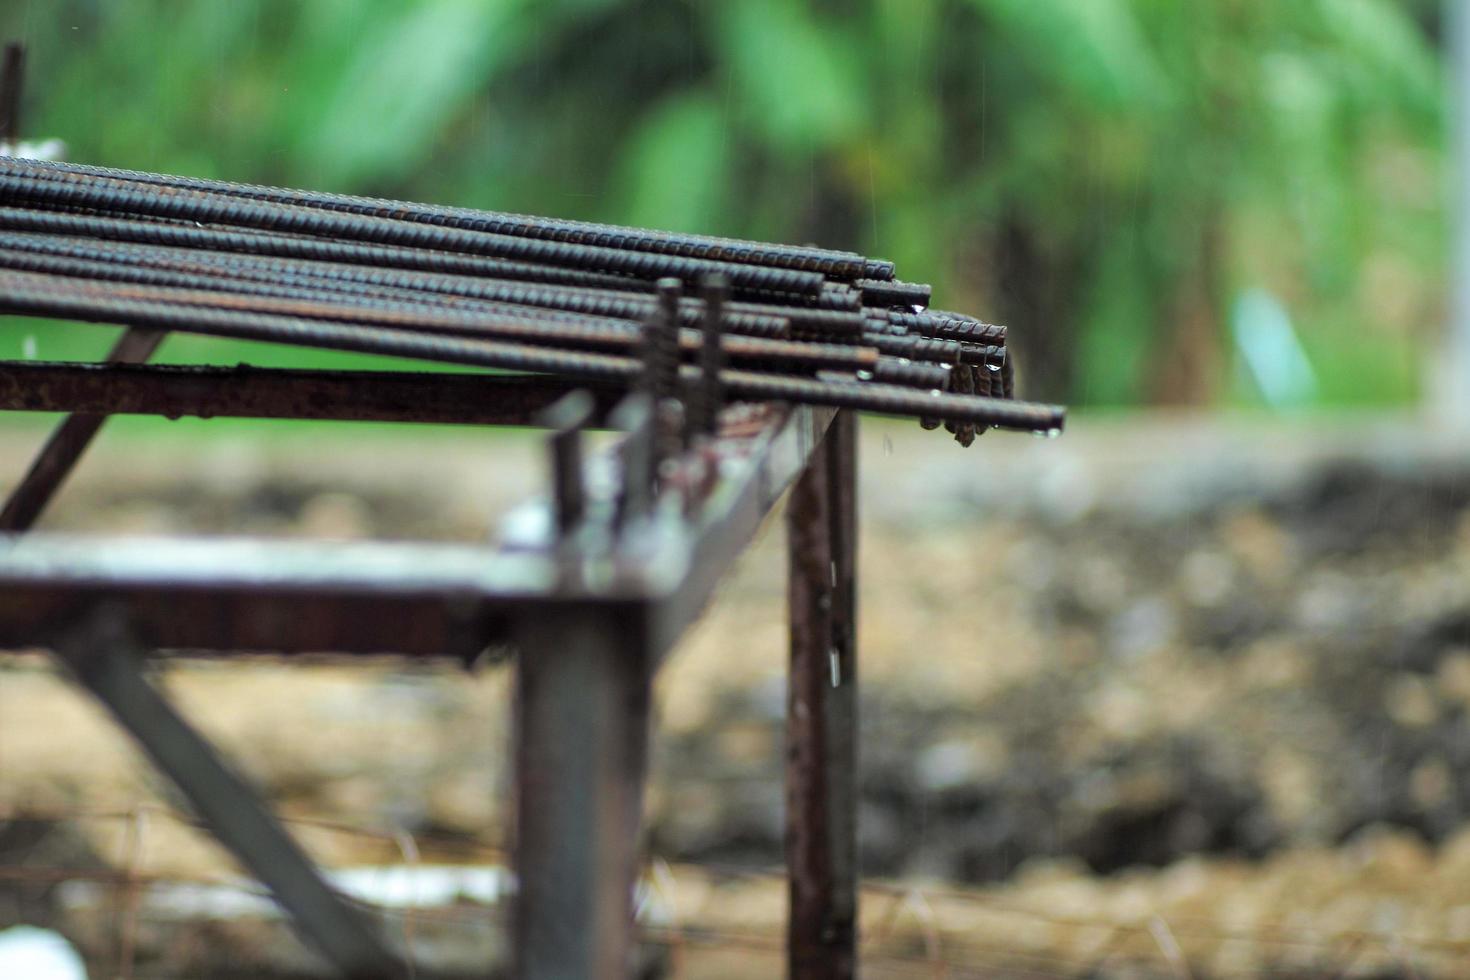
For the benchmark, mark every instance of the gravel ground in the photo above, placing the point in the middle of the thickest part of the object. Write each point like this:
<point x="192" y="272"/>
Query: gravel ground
<point x="1160" y="669"/>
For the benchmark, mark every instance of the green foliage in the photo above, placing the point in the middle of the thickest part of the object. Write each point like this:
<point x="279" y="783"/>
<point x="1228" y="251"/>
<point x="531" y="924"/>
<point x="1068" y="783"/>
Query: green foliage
<point x="1098" y="172"/>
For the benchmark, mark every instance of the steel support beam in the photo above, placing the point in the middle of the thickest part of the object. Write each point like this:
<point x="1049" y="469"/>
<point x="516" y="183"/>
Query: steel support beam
<point x="821" y="790"/>
<point x="581" y="746"/>
<point x="104" y="660"/>
<point x="177" y="391"/>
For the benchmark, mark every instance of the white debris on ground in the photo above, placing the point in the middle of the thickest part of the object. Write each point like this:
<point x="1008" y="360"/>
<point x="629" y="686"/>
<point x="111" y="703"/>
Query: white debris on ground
<point x="28" y="953"/>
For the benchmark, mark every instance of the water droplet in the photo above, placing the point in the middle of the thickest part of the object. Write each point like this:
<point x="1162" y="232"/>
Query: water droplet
<point x="834" y="664"/>
<point x="917" y="308"/>
<point x="992" y="367"/>
<point x="936" y="392"/>
<point x="946" y="365"/>
<point x="28" y="347"/>
<point x="865" y="375"/>
<point x="1053" y="433"/>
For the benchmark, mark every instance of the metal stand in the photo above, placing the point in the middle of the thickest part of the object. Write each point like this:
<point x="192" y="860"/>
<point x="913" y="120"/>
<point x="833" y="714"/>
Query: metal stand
<point x="592" y="606"/>
<point x="821" y="791"/>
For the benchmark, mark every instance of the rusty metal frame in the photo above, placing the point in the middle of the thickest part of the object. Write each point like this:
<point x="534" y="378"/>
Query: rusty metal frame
<point x="592" y="585"/>
<point x="592" y="606"/>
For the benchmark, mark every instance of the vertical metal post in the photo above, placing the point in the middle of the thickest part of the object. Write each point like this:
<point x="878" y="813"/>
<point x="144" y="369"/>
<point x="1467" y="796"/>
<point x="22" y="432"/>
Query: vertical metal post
<point x="581" y="743"/>
<point x="821" y="786"/>
<point x="706" y="400"/>
<point x="567" y="418"/>
<point x="635" y="416"/>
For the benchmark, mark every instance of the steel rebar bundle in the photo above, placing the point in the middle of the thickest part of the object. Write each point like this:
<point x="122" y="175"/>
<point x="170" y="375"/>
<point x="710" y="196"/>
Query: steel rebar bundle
<point x="495" y="290"/>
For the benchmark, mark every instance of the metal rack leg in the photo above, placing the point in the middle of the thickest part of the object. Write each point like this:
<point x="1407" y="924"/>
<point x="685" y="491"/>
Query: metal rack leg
<point x="581" y="744"/>
<point x="821" y="791"/>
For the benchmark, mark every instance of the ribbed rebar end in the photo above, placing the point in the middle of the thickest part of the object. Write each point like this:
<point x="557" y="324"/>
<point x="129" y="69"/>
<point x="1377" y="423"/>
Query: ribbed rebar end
<point x="911" y="374"/>
<point x="982" y="355"/>
<point x="894" y="292"/>
<point x="881" y="269"/>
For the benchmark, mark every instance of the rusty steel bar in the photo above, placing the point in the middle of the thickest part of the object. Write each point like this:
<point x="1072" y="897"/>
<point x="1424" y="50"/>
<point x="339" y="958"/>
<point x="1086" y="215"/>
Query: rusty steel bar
<point x="551" y="330"/>
<point x="821" y="793"/>
<point x="234" y="241"/>
<point x="271" y="276"/>
<point x="30" y="294"/>
<point x="893" y="292"/>
<point x="582" y="702"/>
<point x="620" y="298"/>
<point x="836" y="263"/>
<point x="59" y="456"/>
<point x="185" y="391"/>
<point x="22" y="182"/>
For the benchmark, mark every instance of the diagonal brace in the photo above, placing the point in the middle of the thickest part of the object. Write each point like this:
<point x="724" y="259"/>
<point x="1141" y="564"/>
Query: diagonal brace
<point x="54" y="463"/>
<point x="105" y="660"/>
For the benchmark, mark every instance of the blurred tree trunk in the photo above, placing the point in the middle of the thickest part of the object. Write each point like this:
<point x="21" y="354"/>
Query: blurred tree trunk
<point x="1189" y="364"/>
<point x="1039" y="289"/>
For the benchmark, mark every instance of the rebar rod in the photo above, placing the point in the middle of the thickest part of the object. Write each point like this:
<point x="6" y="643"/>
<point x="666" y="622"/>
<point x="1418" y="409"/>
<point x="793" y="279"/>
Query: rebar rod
<point x="587" y="332"/>
<point x="19" y="183"/>
<point x="487" y="289"/>
<point x="19" y="296"/>
<point x="759" y="321"/>
<point x="111" y="228"/>
<point x="827" y="261"/>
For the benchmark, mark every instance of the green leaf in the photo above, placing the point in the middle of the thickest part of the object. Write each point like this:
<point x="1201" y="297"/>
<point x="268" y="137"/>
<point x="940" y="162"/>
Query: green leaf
<point x="797" y="82"/>
<point x="1117" y="331"/>
<point x="1382" y="42"/>
<point x="675" y="168"/>
<point x="412" y="75"/>
<point x="1092" y="48"/>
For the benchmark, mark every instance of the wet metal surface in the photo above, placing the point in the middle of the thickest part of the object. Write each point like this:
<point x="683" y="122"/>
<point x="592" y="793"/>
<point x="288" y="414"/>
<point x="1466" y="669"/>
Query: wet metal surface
<point x="821" y="800"/>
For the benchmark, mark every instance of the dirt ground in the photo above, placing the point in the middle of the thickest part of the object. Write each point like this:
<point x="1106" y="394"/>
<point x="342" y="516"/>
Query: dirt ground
<point x="1164" y="697"/>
